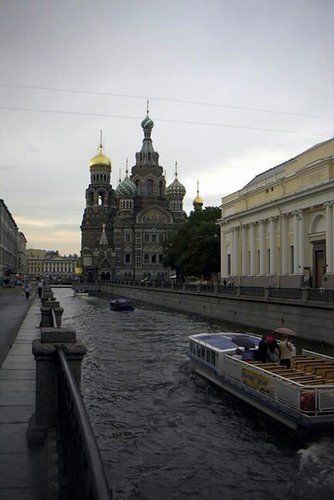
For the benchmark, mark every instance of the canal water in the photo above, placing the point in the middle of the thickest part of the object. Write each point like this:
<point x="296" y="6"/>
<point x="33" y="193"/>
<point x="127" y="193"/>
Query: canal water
<point x="167" y="434"/>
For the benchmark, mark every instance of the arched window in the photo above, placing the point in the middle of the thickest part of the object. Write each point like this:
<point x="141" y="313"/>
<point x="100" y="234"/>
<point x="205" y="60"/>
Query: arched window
<point x="150" y="188"/>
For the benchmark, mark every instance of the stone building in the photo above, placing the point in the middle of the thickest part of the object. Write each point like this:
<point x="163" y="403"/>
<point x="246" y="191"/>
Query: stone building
<point x="12" y="247"/>
<point x="278" y="230"/>
<point x="50" y="265"/>
<point x="123" y="230"/>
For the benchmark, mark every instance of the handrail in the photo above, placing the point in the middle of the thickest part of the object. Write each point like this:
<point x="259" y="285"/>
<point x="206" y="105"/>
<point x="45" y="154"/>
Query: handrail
<point x="81" y="457"/>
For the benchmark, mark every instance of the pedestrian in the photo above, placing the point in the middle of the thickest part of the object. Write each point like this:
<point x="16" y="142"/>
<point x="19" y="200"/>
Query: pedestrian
<point x="285" y="352"/>
<point x="26" y="290"/>
<point x="40" y="288"/>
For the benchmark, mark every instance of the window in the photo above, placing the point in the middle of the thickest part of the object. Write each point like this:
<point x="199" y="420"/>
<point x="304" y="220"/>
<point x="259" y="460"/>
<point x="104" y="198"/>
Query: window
<point x="154" y="238"/>
<point x="146" y="238"/>
<point x="229" y="264"/>
<point x="146" y="258"/>
<point x="127" y="258"/>
<point x="149" y="188"/>
<point x="154" y="258"/>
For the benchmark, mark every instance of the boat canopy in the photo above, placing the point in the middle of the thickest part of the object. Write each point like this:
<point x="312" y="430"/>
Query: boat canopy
<point x="229" y="340"/>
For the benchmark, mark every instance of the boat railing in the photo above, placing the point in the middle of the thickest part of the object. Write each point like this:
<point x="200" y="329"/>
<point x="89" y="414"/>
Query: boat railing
<point x="309" y="399"/>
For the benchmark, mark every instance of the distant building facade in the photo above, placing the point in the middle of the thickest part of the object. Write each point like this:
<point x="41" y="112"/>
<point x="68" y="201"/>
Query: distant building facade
<point x="50" y="265"/>
<point x="123" y="230"/>
<point x="12" y="246"/>
<point x="278" y="230"/>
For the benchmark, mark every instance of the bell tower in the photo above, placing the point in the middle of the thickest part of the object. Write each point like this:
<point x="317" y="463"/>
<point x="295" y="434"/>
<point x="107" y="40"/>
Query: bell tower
<point x="99" y="212"/>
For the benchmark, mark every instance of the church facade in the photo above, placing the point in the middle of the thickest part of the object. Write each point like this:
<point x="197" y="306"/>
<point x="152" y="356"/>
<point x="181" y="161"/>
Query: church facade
<point x="124" y="230"/>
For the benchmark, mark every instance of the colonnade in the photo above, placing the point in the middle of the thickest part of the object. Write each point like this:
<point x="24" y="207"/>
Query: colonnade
<point x="275" y="245"/>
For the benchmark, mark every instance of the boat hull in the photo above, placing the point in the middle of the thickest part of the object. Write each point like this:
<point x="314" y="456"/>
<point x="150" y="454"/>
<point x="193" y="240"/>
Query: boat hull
<point x="274" y="409"/>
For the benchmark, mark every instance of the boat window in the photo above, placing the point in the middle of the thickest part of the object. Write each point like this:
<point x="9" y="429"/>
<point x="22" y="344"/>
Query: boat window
<point x="203" y="352"/>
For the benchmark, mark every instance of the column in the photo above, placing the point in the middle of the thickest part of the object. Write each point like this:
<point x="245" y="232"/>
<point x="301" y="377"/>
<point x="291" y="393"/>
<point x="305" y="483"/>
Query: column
<point x="296" y="242"/>
<point x="301" y="241"/>
<point x="252" y="249"/>
<point x="329" y="237"/>
<point x="243" y="250"/>
<point x="235" y="252"/>
<point x="262" y="247"/>
<point x="273" y="247"/>
<point x="284" y="244"/>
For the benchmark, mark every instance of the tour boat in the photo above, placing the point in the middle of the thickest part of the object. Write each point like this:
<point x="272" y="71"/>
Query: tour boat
<point x="121" y="305"/>
<point x="300" y="397"/>
<point x="82" y="292"/>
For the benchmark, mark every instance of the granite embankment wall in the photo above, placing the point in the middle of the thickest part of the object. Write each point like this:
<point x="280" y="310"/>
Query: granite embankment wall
<point x="313" y="321"/>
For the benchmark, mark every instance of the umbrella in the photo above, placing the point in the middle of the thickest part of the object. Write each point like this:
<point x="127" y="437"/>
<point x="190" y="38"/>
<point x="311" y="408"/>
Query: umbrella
<point x="285" y="331"/>
<point x="243" y="341"/>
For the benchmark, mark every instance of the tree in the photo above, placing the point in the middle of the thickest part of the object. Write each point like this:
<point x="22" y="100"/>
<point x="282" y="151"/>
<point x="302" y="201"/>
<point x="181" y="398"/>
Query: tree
<point x="193" y="249"/>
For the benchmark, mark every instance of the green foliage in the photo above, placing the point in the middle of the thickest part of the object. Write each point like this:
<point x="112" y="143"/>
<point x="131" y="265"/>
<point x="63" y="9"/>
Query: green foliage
<point x="194" y="247"/>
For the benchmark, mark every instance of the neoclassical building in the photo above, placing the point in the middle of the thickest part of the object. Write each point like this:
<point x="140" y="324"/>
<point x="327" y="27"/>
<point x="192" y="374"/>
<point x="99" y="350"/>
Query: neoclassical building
<point x="123" y="230"/>
<point x="278" y="230"/>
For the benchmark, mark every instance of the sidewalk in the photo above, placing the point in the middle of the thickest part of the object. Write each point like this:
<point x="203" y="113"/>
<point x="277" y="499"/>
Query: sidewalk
<point x="20" y="467"/>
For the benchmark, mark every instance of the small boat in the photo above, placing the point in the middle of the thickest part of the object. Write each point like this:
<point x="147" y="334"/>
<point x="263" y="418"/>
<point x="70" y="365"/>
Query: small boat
<point x="121" y="305"/>
<point x="82" y="292"/>
<point x="301" y="397"/>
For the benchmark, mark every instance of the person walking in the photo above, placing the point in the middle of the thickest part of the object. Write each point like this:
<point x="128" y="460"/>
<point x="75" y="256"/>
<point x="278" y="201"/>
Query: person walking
<point x="26" y="290"/>
<point x="40" y="288"/>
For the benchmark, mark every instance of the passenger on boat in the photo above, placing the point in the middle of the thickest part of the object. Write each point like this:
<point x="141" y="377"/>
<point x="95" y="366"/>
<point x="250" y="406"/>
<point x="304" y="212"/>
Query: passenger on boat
<point x="263" y="350"/>
<point x="237" y="354"/>
<point x="273" y="351"/>
<point x="285" y="352"/>
<point x="247" y="355"/>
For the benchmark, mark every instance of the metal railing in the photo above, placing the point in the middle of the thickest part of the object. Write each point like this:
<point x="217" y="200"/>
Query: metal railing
<point x="81" y="471"/>
<point x="82" y="474"/>
<point x="304" y="294"/>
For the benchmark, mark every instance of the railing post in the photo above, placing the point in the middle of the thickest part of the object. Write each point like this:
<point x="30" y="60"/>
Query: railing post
<point x="45" y="353"/>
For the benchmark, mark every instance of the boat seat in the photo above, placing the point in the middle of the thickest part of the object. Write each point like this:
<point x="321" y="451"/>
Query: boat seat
<point x="325" y="372"/>
<point x="303" y="364"/>
<point x="319" y="381"/>
<point x="313" y="367"/>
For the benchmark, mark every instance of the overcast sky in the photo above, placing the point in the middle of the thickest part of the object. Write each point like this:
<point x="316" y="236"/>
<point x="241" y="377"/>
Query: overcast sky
<point x="235" y="88"/>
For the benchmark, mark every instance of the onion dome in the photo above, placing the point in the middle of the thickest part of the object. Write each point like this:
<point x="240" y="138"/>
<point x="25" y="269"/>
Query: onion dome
<point x="147" y="123"/>
<point x="198" y="201"/>
<point x="126" y="188"/>
<point x="175" y="190"/>
<point x="100" y="159"/>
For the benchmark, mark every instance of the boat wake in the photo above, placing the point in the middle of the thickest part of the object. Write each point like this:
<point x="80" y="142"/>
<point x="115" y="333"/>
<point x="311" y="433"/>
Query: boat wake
<point x="317" y="466"/>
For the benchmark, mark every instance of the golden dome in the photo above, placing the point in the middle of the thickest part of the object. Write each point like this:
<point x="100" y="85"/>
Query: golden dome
<point x="198" y="200"/>
<point x="100" y="159"/>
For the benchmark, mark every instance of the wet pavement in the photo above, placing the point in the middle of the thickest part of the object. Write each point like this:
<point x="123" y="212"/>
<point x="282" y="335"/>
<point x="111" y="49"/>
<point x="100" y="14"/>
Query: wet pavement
<point x="21" y="468"/>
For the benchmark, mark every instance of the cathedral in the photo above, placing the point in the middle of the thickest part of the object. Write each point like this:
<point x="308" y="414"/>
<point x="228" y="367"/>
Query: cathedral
<point x="123" y="230"/>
